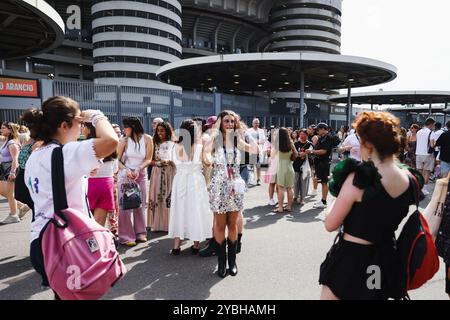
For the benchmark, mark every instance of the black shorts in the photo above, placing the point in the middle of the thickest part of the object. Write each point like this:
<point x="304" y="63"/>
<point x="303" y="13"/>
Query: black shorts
<point x="447" y="278"/>
<point x="322" y="171"/>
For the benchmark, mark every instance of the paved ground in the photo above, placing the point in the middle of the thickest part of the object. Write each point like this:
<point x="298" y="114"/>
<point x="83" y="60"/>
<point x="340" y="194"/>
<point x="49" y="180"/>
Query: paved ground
<point x="280" y="259"/>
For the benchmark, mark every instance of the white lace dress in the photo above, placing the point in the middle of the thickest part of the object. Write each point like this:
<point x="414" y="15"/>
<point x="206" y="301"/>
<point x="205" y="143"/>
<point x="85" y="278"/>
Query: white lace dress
<point x="190" y="214"/>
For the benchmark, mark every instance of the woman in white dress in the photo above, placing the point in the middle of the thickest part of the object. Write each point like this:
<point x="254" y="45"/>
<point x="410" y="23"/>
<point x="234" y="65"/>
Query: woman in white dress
<point x="190" y="214"/>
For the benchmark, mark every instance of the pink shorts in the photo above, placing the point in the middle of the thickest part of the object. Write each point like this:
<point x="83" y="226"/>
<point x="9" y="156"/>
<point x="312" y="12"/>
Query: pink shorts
<point x="101" y="194"/>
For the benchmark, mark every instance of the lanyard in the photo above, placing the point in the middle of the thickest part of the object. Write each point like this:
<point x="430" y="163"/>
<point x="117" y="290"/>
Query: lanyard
<point x="230" y="165"/>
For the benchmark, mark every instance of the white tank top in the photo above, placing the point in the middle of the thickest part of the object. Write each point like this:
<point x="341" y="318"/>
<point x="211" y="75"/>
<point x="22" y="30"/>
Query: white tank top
<point x="135" y="153"/>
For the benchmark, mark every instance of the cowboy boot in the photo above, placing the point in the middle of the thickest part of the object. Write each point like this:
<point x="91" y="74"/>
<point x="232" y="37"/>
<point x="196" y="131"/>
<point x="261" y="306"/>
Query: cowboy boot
<point x="239" y="244"/>
<point x="209" y="250"/>
<point x="232" y="266"/>
<point x="222" y="258"/>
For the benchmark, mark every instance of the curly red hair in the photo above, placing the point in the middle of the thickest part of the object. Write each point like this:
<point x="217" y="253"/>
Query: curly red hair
<point x="382" y="130"/>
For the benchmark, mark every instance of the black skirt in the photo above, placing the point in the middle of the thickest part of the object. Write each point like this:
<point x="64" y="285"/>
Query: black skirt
<point x="37" y="260"/>
<point x="357" y="272"/>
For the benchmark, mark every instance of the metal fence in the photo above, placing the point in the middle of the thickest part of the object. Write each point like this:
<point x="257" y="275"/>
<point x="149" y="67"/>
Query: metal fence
<point x="146" y="103"/>
<point x="118" y="102"/>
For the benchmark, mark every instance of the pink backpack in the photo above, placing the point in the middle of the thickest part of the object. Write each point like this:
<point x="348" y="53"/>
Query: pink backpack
<point x="80" y="258"/>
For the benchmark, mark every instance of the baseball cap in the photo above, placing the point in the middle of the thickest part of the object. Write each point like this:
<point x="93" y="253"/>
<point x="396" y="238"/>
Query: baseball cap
<point x="210" y="122"/>
<point x="322" y="125"/>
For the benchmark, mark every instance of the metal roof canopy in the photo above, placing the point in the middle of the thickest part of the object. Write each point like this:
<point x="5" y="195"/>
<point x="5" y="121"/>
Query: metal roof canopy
<point x="28" y="27"/>
<point x="279" y="72"/>
<point x="395" y="97"/>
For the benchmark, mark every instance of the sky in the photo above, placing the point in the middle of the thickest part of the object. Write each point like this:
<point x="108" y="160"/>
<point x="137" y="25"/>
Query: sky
<point x="412" y="35"/>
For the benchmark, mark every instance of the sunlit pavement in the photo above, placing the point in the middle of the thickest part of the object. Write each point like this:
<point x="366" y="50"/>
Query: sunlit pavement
<point x="280" y="259"/>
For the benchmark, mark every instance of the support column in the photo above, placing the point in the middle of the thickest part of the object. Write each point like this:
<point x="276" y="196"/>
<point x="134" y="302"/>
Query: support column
<point x="302" y="97"/>
<point x="371" y="107"/>
<point x="172" y="109"/>
<point x="216" y="35"/>
<point x="194" y="32"/>
<point x="349" y="105"/>
<point x="445" y="114"/>
<point x="429" y="110"/>
<point x="119" y="104"/>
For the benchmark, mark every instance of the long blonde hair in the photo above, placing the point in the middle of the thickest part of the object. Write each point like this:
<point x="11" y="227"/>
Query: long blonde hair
<point x="14" y="128"/>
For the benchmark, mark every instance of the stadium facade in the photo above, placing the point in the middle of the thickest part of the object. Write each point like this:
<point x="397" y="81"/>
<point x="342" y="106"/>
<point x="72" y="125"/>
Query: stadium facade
<point x="124" y="43"/>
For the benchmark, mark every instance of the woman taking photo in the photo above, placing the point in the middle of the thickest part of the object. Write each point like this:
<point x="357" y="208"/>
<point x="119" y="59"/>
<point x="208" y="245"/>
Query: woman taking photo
<point x="135" y="153"/>
<point x="9" y="168"/>
<point x="59" y="123"/>
<point x="373" y="197"/>
<point x="226" y="190"/>
<point x="163" y="172"/>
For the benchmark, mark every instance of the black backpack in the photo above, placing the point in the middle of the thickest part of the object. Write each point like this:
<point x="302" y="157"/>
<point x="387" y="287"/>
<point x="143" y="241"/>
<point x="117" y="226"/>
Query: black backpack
<point x="335" y="141"/>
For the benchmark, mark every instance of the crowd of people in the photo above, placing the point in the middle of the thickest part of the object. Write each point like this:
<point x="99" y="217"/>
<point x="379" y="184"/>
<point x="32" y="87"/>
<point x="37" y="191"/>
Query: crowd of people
<point x="135" y="183"/>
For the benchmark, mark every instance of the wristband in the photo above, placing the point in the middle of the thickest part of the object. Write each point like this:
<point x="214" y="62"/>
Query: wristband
<point x="97" y="119"/>
<point x="96" y="116"/>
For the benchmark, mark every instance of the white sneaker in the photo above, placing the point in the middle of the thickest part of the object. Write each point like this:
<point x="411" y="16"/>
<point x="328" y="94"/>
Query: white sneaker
<point x="11" y="219"/>
<point x="319" y="205"/>
<point x="425" y="191"/>
<point x="23" y="211"/>
<point x="272" y="202"/>
<point x="313" y="192"/>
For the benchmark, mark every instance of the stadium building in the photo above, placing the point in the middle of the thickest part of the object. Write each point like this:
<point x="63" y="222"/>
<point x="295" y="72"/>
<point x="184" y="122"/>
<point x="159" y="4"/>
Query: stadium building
<point x="124" y="43"/>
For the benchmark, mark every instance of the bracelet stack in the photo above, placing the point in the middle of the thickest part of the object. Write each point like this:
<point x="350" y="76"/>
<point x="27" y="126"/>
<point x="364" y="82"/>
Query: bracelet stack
<point x="98" y="115"/>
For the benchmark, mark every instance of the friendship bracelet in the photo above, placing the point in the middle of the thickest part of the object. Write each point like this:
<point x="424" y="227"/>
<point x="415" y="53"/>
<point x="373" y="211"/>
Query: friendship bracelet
<point x="96" y="113"/>
<point x="97" y="118"/>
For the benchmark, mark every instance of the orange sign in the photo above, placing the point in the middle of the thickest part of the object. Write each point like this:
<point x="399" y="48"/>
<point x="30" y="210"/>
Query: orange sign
<point x="18" y="87"/>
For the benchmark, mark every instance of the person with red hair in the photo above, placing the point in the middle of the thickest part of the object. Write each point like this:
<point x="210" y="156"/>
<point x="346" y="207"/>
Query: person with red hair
<point x="373" y="197"/>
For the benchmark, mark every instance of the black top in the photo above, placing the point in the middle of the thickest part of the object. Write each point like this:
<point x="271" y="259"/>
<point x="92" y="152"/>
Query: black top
<point x="378" y="216"/>
<point x="443" y="236"/>
<point x="245" y="156"/>
<point x="444" y="142"/>
<point x="324" y="143"/>
<point x="300" y="147"/>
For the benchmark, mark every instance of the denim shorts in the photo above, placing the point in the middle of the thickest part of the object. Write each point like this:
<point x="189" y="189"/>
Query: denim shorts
<point x="445" y="168"/>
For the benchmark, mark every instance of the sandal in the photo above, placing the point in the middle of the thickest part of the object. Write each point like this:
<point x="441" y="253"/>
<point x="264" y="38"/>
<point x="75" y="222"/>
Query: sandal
<point x="277" y="210"/>
<point x="175" y="252"/>
<point x="287" y="210"/>
<point x="194" y="250"/>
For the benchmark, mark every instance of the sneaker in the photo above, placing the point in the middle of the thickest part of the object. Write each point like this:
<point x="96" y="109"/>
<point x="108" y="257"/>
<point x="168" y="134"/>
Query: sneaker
<point x="313" y="192"/>
<point x="11" y="219"/>
<point x="23" y="211"/>
<point x="319" y="205"/>
<point x="272" y="202"/>
<point x="141" y="240"/>
<point x="258" y="182"/>
<point x="175" y="252"/>
<point x="425" y="191"/>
